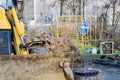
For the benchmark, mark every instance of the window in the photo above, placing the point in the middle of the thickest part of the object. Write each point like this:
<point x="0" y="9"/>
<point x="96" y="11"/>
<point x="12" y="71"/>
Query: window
<point x="6" y="3"/>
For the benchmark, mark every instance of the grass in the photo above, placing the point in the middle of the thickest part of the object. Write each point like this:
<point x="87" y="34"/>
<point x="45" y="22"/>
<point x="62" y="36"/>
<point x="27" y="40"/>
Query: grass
<point x="91" y="55"/>
<point x="117" y="51"/>
<point x="85" y="54"/>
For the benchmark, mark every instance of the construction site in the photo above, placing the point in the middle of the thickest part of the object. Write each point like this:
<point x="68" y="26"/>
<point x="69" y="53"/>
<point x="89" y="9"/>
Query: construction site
<point x="59" y="39"/>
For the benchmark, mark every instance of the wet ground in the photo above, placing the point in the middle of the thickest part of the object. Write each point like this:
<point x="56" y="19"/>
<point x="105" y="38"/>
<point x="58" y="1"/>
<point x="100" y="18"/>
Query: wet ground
<point x="105" y="73"/>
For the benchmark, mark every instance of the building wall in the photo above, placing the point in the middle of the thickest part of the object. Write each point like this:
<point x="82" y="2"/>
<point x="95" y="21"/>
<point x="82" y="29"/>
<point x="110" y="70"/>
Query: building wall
<point x="46" y="10"/>
<point x="28" y="10"/>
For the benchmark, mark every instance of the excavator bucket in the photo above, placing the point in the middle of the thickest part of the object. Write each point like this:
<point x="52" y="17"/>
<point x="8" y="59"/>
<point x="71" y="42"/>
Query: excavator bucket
<point x="36" y="67"/>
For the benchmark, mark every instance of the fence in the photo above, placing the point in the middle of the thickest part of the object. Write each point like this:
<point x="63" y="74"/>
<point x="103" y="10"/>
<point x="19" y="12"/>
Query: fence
<point x="68" y="25"/>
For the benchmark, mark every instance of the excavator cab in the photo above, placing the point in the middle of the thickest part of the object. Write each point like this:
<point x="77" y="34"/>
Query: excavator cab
<point x="9" y="3"/>
<point x="6" y="4"/>
<point x="11" y="29"/>
<point x="5" y="29"/>
<point x="5" y="42"/>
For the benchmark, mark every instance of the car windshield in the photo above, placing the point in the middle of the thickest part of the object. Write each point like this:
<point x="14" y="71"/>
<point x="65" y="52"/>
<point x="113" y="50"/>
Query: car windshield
<point x="6" y="3"/>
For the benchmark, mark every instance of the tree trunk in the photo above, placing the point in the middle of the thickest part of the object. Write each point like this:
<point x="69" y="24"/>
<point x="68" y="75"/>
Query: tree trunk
<point x="83" y="9"/>
<point x="61" y="7"/>
<point x="113" y="20"/>
<point x="114" y="9"/>
<point x="74" y="8"/>
<point x="79" y="13"/>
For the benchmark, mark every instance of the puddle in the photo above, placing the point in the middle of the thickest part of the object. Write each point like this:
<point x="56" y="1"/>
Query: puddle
<point x="105" y="73"/>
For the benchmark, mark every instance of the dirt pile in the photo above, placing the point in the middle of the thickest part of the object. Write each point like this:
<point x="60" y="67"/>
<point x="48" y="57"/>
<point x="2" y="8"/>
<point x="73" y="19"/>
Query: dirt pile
<point x="54" y="45"/>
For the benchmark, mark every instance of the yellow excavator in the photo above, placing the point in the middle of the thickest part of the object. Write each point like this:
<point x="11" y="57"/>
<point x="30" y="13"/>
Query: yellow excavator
<point x="12" y="39"/>
<point x="16" y="63"/>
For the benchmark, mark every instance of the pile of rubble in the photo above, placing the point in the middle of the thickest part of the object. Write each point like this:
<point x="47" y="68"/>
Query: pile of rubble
<point x="51" y="44"/>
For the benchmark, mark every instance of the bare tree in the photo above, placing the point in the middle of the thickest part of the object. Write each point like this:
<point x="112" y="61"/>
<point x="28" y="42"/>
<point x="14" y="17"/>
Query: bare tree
<point x="79" y="7"/>
<point x="61" y="6"/>
<point x="72" y="5"/>
<point x="114" y="11"/>
<point x="116" y="20"/>
<point x="115" y="15"/>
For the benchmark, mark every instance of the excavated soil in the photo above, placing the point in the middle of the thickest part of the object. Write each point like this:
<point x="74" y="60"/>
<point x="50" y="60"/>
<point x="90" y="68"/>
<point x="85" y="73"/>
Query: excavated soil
<point x="54" y="45"/>
<point x="33" y="67"/>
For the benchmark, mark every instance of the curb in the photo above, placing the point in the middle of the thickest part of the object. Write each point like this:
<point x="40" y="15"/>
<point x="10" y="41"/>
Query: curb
<point x="103" y="61"/>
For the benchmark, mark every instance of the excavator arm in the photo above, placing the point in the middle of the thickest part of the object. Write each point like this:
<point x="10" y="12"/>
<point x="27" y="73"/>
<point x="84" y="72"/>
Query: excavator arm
<point x="18" y="30"/>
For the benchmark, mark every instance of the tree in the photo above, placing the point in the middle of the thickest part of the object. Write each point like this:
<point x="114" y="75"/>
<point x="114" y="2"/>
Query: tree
<point x="72" y="5"/>
<point x="61" y="6"/>
<point x="115" y="15"/>
<point x="114" y="11"/>
<point x="117" y="19"/>
<point x="79" y="7"/>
